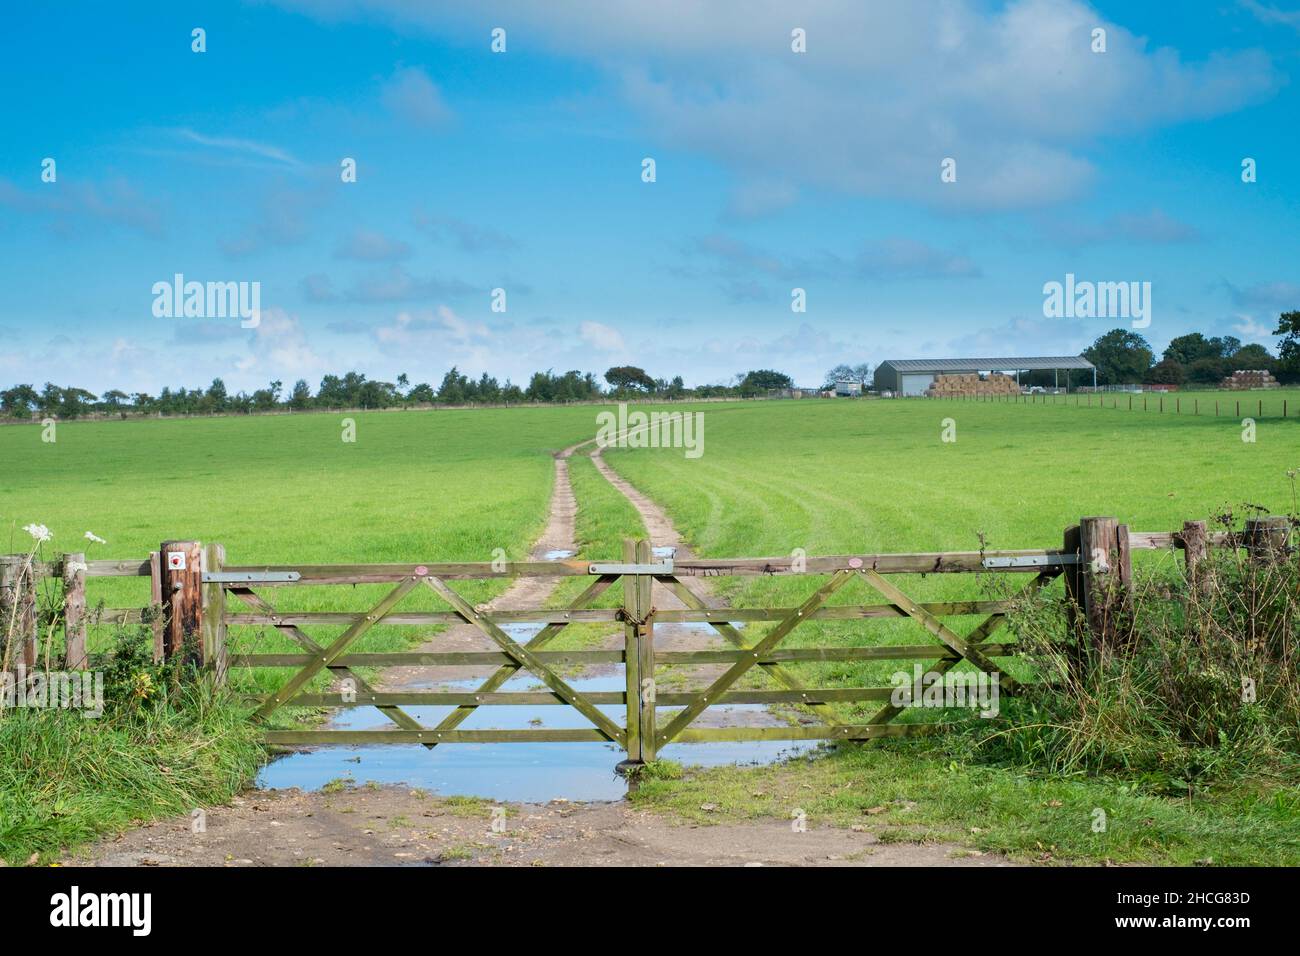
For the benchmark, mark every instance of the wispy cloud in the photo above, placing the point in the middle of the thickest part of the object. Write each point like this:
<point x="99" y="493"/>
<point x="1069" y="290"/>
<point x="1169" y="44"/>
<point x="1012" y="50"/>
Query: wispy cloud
<point x="241" y="148"/>
<point x="68" y="207"/>
<point x="367" y="245"/>
<point x="469" y="236"/>
<point x="1274" y="16"/>
<point x="1154" y="227"/>
<point x="411" y="95"/>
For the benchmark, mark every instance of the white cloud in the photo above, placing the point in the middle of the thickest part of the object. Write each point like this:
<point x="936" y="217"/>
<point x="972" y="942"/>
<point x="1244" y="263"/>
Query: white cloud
<point x="885" y="91"/>
<point x="602" y="338"/>
<point x="237" y="146"/>
<point x="414" y="97"/>
<point x="367" y="245"/>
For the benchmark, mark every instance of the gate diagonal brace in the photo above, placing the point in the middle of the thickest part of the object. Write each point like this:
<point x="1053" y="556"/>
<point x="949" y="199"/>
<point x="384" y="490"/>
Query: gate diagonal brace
<point x="940" y="630"/>
<point x="506" y="671"/>
<point x="781" y="674"/>
<point x="335" y="650"/>
<point x="391" y="711"/>
<point x="526" y="659"/>
<point x="981" y="633"/>
<point x="737" y="670"/>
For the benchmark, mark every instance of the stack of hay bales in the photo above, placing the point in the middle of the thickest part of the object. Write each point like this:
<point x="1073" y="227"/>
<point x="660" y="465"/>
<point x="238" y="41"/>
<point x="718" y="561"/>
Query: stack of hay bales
<point x="967" y="385"/>
<point x="1244" y="379"/>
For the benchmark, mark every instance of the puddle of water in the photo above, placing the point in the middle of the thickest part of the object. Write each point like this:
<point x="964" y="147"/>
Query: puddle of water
<point x="526" y="772"/>
<point x="663" y="552"/>
<point x="558" y="554"/>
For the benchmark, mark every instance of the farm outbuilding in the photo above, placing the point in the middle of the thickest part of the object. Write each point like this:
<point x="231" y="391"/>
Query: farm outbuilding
<point x="914" y="376"/>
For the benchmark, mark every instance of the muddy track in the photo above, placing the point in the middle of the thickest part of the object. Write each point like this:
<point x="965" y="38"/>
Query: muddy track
<point x="523" y="592"/>
<point x="397" y="826"/>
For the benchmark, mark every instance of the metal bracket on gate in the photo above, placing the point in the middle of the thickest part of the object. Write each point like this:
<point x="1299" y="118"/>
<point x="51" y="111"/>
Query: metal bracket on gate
<point x="250" y="577"/>
<point x="664" y="567"/>
<point x="1032" y="561"/>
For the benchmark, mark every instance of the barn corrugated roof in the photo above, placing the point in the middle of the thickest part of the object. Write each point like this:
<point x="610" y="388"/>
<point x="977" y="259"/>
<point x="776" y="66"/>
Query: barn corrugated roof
<point x="988" y="364"/>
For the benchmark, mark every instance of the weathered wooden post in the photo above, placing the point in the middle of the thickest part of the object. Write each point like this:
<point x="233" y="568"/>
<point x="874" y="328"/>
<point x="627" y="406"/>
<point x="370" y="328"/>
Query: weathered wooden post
<point x="156" y="609"/>
<point x="181" y="565"/>
<point x="631" y="663"/>
<point x="18" y="611"/>
<point x="1107" y="579"/>
<point x="214" y="614"/>
<point x="74" y="612"/>
<point x="1265" y="539"/>
<point x="1196" y="549"/>
<point x="645" y="642"/>
<point x="1072" y="574"/>
<point x="638" y="652"/>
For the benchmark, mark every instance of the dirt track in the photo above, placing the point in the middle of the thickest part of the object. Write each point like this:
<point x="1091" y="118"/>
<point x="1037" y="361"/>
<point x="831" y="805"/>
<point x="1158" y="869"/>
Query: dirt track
<point x="395" y="826"/>
<point x="378" y="826"/>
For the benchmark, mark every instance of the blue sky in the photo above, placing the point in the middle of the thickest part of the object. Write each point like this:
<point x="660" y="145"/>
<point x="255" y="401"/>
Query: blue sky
<point x="522" y="171"/>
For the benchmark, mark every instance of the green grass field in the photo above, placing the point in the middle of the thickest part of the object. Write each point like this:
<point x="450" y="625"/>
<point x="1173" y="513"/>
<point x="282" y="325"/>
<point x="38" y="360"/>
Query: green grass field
<point x="824" y="476"/>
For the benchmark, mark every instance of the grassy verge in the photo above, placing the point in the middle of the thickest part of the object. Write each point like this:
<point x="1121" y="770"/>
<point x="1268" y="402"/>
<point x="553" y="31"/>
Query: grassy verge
<point x="915" y="791"/>
<point x="162" y="746"/>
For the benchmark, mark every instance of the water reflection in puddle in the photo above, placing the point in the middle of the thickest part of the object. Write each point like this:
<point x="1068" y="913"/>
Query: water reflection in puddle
<point x="527" y="772"/>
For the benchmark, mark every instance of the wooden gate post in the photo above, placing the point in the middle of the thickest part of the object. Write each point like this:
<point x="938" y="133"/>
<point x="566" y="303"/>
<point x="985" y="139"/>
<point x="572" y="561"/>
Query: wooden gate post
<point x="1107" y="573"/>
<point x="645" y="642"/>
<point x="181" y="570"/>
<point x="1073" y="577"/>
<point x="1266" y="539"/>
<point x="1196" y="549"/>
<point x="17" y="611"/>
<point x="639" y="657"/>
<point x="631" y="662"/>
<point x="74" y="611"/>
<point x="214" y="615"/>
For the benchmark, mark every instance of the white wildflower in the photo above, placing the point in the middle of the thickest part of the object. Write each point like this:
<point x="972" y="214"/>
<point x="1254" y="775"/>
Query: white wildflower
<point x="39" y="532"/>
<point x="91" y="536"/>
<point x="75" y="567"/>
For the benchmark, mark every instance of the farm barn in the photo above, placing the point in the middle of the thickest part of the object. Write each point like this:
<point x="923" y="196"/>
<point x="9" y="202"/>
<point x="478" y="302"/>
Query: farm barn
<point x="911" y="377"/>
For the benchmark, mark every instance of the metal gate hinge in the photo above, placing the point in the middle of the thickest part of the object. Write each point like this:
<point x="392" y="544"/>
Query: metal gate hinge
<point x="1032" y="561"/>
<point x="664" y="567"/>
<point x="250" y="577"/>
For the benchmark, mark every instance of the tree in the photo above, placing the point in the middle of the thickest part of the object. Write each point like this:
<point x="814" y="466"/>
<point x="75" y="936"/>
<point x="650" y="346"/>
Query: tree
<point x="1251" y="357"/>
<point x="300" y="397"/>
<point x="758" y="381"/>
<point x="1186" y="349"/>
<point x="1167" y="371"/>
<point x="50" y="398"/>
<point x="1122" y="357"/>
<point x="17" y="402"/>
<point x="114" y="398"/>
<point x="74" y="401"/>
<point x="1288" y="366"/>
<point x="452" y="389"/>
<point x="860" y="373"/>
<point x="1207" y="370"/>
<point x="216" y="399"/>
<point x="629" y="378"/>
<point x="331" y="393"/>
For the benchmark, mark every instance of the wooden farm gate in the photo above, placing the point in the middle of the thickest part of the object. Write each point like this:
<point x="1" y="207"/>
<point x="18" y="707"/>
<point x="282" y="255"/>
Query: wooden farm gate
<point x="202" y="597"/>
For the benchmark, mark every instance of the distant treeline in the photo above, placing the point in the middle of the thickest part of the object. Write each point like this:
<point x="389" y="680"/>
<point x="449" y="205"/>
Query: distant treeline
<point x="354" y="390"/>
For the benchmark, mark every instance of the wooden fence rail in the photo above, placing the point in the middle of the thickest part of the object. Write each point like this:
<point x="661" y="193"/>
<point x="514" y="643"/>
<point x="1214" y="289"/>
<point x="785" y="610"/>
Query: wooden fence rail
<point x="199" y="597"/>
